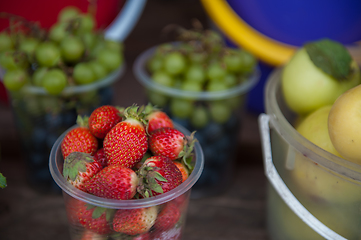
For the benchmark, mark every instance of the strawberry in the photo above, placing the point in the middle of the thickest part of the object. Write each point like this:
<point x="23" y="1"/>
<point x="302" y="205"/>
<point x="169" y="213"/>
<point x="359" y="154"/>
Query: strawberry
<point x="79" y="167"/>
<point x="126" y="143"/>
<point x="159" y="175"/>
<point x="93" y="218"/>
<point x="168" y="217"/>
<point x="113" y="182"/>
<point x="79" y="139"/>
<point x="100" y="157"/>
<point x="171" y="143"/>
<point x="157" y="119"/>
<point x="183" y="169"/>
<point x="103" y="119"/>
<point x="134" y="221"/>
<point x="89" y="235"/>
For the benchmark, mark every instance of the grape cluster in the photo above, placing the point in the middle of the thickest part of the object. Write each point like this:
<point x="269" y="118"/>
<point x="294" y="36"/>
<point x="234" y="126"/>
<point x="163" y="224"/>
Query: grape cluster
<point x="199" y="62"/>
<point x="71" y="52"/>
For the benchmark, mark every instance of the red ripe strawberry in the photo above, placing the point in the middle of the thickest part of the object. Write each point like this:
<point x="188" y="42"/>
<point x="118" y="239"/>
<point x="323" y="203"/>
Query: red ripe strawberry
<point x="168" y="217"/>
<point x="80" y="167"/>
<point x="183" y="169"/>
<point x="95" y="219"/>
<point x="145" y="236"/>
<point x="159" y="175"/>
<point x="126" y="143"/>
<point x="113" y="182"/>
<point x="100" y="157"/>
<point x="134" y="221"/>
<point x="171" y="143"/>
<point x="158" y="119"/>
<point x="79" y="139"/>
<point x="103" y="119"/>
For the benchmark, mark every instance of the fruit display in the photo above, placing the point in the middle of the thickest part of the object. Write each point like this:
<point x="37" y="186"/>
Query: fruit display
<point x="316" y="93"/>
<point x="201" y="84"/>
<point x="126" y="173"/>
<point x="53" y="75"/>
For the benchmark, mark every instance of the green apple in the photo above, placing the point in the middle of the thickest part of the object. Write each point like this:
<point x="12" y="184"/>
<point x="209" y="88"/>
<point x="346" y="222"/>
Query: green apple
<point x="316" y="76"/>
<point x="314" y="179"/>
<point x="344" y="125"/>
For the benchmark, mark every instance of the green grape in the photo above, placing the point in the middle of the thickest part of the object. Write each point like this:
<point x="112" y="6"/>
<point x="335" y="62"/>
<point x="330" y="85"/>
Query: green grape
<point x="28" y="45"/>
<point x="47" y="54"/>
<point x="54" y="81"/>
<point x="157" y="98"/>
<point x="87" y="23"/>
<point x="99" y="70"/>
<point x="234" y="102"/>
<point x="11" y="60"/>
<point x="68" y="13"/>
<point x="83" y="74"/>
<point x="191" y="86"/>
<point x="233" y="60"/>
<point x="200" y="117"/>
<point x="230" y="80"/>
<point x="58" y="31"/>
<point x="114" y="45"/>
<point x="220" y="112"/>
<point x="181" y="108"/>
<point x="216" y="86"/>
<point x="215" y="71"/>
<point x="6" y="42"/>
<point x="37" y="77"/>
<point x="72" y="49"/>
<point x="111" y="60"/>
<point x="15" y="79"/>
<point x="174" y="63"/>
<point x="248" y="60"/>
<point x="213" y="41"/>
<point x="155" y="64"/>
<point x="195" y="73"/>
<point x="89" y="39"/>
<point x="198" y="57"/>
<point x="163" y="49"/>
<point x="161" y="77"/>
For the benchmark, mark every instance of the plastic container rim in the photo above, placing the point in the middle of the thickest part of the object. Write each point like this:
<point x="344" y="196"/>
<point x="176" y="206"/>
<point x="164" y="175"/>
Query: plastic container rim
<point x="125" y="204"/>
<point x="143" y="77"/>
<point x="296" y="140"/>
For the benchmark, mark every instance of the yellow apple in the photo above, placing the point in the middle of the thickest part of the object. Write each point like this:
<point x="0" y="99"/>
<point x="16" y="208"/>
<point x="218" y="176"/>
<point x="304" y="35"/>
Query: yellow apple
<point x="314" y="179"/>
<point x="306" y="87"/>
<point x="344" y="124"/>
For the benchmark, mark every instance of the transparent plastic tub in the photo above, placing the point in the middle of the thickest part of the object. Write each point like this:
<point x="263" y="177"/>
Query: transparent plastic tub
<point x="312" y="194"/>
<point x="41" y="118"/>
<point x="178" y="196"/>
<point x="218" y="139"/>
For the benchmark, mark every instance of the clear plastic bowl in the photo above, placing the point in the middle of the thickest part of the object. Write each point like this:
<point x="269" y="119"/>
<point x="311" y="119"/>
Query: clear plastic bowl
<point x="179" y="195"/>
<point x="218" y="136"/>
<point x="40" y="118"/>
<point x="328" y="187"/>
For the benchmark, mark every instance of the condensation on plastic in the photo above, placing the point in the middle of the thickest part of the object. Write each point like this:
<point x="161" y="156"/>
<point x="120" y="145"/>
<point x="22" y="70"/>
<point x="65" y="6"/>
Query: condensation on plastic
<point x="143" y="77"/>
<point x="55" y="166"/>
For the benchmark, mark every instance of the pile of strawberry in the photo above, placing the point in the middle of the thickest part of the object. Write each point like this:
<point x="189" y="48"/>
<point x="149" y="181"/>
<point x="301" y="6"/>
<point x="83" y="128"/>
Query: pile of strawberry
<point x="126" y="153"/>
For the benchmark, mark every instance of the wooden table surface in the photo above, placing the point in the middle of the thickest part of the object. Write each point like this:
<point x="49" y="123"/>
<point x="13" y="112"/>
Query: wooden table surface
<point x="238" y="213"/>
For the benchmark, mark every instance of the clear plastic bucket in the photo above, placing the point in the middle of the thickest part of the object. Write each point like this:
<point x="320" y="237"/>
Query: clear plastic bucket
<point x="218" y="138"/>
<point x="313" y="194"/>
<point x="41" y="118"/>
<point x="178" y="197"/>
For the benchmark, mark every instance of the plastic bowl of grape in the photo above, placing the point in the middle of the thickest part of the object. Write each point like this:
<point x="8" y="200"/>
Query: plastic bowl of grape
<point x="52" y="76"/>
<point x="201" y="84"/>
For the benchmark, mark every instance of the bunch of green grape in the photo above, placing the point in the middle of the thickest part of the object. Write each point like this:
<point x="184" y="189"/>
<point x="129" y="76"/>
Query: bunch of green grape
<point x="71" y="52"/>
<point x="199" y="61"/>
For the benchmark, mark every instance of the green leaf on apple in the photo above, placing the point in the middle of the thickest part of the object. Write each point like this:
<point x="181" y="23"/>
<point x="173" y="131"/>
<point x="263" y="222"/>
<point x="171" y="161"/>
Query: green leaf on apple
<point x="2" y="181"/>
<point x="331" y="57"/>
